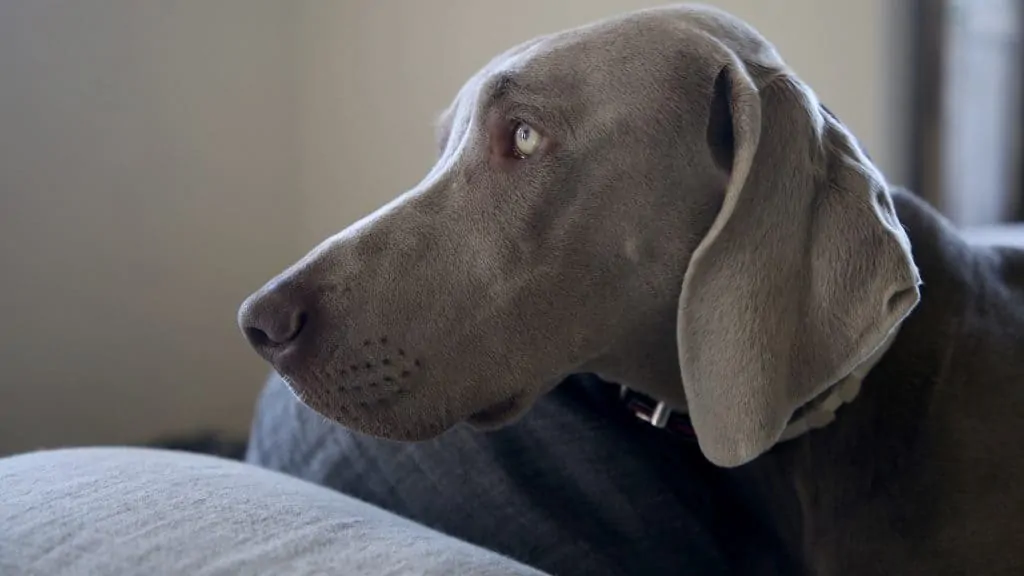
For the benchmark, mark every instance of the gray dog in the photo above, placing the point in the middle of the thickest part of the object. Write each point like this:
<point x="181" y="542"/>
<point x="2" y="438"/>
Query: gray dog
<point x="659" y="200"/>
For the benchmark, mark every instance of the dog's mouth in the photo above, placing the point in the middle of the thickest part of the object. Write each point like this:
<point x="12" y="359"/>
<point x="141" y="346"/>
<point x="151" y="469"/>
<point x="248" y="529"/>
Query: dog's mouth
<point x="344" y="397"/>
<point x="364" y="373"/>
<point x="500" y="413"/>
<point x="380" y="387"/>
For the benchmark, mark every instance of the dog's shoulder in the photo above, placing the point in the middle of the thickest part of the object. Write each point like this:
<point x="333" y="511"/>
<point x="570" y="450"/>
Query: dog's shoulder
<point x="975" y="425"/>
<point x="964" y="429"/>
<point x="920" y="475"/>
<point x="1004" y="271"/>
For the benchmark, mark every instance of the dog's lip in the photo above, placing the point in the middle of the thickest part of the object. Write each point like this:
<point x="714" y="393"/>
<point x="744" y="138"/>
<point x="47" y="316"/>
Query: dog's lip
<point x="359" y="400"/>
<point x="282" y="361"/>
<point x="499" y="411"/>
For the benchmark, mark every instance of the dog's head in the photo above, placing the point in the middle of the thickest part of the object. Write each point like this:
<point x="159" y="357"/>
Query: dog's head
<point x="655" y="198"/>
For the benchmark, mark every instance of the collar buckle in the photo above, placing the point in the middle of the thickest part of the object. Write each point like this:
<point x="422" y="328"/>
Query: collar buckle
<point x="654" y="412"/>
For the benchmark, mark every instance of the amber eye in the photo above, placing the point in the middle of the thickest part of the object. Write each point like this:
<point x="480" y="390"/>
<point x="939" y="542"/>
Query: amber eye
<point x="525" y="140"/>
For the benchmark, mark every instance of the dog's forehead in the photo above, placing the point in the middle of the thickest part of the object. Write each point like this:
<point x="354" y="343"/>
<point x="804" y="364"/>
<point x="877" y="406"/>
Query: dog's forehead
<point x="608" y="46"/>
<point x="561" y="63"/>
<point x="577" y="49"/>
<point x="609" y="53"/>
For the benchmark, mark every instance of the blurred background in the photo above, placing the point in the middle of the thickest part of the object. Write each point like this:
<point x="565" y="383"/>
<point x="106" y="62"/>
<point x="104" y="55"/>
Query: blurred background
<point x="160" y="159"/>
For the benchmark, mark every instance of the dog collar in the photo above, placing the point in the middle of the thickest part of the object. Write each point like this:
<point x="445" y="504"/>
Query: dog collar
<point x="818" y="413"/>
<point x="657" y="413"/>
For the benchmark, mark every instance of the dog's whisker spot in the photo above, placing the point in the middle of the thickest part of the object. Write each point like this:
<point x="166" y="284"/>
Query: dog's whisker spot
<point x="401" y="352"/>
<point x="404" y="374"/>
<point x="384" y="340"/>
<point x="369" y="365"/>
<point x="416" y="363"/>
<point x="389" y="379"/>
<point x="366" y="343"/>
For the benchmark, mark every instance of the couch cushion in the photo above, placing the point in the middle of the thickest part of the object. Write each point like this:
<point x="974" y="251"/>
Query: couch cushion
<point x="118" y="511"/>
<point x="576" y="487"/>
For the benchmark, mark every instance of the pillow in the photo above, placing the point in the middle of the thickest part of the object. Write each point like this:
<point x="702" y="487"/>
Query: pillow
<point x="576" y="487"/>
<point x="114" y="511"/>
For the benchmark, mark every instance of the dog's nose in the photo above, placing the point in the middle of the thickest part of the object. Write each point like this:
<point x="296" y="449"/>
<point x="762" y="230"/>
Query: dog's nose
<point x="272" y="319"/>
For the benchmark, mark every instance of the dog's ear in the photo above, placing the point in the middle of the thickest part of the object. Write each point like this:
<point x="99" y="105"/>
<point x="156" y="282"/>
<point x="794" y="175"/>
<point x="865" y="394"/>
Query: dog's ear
<point x="803" y="274"/>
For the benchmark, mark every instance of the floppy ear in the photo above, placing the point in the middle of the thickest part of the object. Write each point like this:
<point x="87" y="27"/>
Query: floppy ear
<point x="804" y="272"/>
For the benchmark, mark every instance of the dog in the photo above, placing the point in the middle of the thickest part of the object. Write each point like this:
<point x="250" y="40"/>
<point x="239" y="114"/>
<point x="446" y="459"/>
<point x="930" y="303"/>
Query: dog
<point x="657" y="199"/>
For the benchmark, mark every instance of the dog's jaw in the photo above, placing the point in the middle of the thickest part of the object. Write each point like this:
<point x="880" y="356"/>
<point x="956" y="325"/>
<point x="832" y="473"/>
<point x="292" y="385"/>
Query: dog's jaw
<point x="500" y="414"/>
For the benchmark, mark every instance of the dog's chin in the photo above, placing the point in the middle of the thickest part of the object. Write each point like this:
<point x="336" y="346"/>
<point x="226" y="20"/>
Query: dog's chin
<point x="384" y="416"/>
<point x="394" y="431"/>
<point x="388" y="425"/>
<point x="385" y="424"/>
<point x="500" y="414"/>
<point x="390" y="417"/>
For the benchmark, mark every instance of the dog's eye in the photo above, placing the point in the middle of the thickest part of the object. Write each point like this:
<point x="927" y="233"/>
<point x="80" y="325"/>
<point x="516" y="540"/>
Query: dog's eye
<point x="525" y="140"/>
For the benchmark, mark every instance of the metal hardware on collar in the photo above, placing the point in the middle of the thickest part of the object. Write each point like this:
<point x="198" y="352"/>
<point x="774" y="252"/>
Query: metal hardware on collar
<point x="659" y="418"/>
<point x="655" y="412"/>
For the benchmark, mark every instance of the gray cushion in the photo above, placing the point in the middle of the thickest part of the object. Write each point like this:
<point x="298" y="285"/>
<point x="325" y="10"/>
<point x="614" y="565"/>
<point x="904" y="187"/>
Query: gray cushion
<point x="576" y="487"/>
<point x="115" y="511"/>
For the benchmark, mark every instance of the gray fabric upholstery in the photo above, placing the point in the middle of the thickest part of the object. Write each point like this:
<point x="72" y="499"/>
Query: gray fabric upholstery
<point x="577" y="487"/>
<point x="125" y="511"/>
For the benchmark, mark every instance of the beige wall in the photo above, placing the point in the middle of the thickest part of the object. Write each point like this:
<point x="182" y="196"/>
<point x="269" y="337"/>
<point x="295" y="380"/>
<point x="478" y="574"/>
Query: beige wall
<point x="147" y="180"/>
<point x="160" y="159"/>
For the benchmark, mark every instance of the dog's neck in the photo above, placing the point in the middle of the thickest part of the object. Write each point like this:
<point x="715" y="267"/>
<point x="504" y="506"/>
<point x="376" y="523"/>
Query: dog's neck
<point x="939" y="411"/>
<point x="822" y="410"/>
<point x="817" y="413"/>
<point x="647" y="361"/>
<point x="895" y="454"/>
